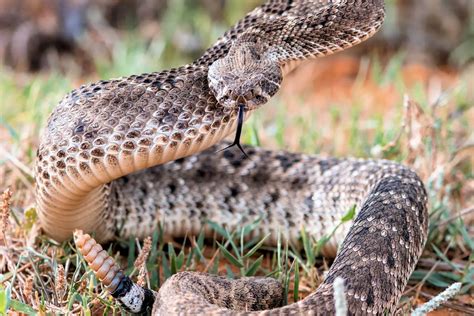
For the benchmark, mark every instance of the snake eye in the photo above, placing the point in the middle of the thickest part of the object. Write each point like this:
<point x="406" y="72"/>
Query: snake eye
<point x="249" y="95"/>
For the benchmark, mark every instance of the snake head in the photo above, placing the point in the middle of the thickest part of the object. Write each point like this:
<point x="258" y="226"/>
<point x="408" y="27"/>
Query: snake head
<point x="245" y="76"/>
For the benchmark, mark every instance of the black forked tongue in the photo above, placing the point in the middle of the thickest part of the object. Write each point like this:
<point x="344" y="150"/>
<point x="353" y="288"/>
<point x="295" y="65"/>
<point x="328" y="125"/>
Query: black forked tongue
<point x="238" y="132"/>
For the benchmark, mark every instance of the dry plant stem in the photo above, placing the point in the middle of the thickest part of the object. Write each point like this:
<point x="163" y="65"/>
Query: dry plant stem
<point x="60" y="282"/>
<point x="5" y="239"/>
<point x="403" y="128"/>
<point x="5" y="213"/>
<point x="140" y="262"/>
<point x="21" y="269"/>
<point x="211" y="262"/>
<point x="142" y="279"/>
<point x="142" y="257"/>
<point x="28" y="289"/>
<point x="134" y="298"/>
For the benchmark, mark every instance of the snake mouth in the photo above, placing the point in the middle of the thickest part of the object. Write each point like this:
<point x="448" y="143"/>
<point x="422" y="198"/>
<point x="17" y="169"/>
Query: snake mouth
<point x="249" y="102"/>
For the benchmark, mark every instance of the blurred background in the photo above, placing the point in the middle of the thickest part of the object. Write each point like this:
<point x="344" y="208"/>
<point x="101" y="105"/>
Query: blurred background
<point x="70" y="35"/>
<point x="407" y="95"/>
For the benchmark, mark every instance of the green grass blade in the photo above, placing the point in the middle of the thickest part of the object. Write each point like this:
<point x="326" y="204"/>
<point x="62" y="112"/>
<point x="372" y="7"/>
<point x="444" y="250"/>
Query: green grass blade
<point x="256" y="247"/>
<point x="308" y="247"/>
<point x="4" y="299"/>
<point x="230" y="257"/>
<point x="349" y="215"/>
<point x="297" y="282"/>
<point x="254" y="267"/>
<point x="22" y="307"/>
<point x="218" y="229"/>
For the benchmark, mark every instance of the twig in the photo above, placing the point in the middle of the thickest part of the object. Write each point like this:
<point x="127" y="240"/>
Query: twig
<point x="24" y="267"/>
<point x="208" y="266"/>
<point x="452" y="305"/>
<point x="439" y="299"/>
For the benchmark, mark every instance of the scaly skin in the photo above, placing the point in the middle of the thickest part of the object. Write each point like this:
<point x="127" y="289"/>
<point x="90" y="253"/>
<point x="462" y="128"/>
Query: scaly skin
<point x="287" y="191"/>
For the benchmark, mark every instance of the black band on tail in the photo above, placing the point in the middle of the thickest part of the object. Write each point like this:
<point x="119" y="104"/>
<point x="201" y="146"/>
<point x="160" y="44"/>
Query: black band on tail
<point x="125" y="286"/>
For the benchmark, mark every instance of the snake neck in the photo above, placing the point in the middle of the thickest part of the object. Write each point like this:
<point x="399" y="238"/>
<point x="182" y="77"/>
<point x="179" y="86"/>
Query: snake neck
<point x="109" y="129"/>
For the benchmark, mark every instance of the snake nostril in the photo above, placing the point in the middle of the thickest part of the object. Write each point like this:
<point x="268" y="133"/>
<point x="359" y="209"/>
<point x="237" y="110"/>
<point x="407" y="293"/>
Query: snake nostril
<point x="224" y="99"/>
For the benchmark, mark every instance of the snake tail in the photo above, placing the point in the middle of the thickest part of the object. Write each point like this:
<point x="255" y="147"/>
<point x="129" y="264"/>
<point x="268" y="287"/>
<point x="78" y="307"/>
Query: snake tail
<point x="133" y="297"/>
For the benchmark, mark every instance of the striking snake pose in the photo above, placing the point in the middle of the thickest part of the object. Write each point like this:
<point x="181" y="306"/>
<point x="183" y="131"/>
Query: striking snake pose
<point x="101" y="135"/>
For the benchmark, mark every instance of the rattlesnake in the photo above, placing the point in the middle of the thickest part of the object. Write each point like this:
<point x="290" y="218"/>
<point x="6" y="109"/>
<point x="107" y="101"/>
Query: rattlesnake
<point x="110" y="129"/>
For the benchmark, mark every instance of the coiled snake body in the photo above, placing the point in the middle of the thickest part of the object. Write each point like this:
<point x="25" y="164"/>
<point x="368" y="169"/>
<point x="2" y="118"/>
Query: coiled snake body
<point x="101" y="135"/>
